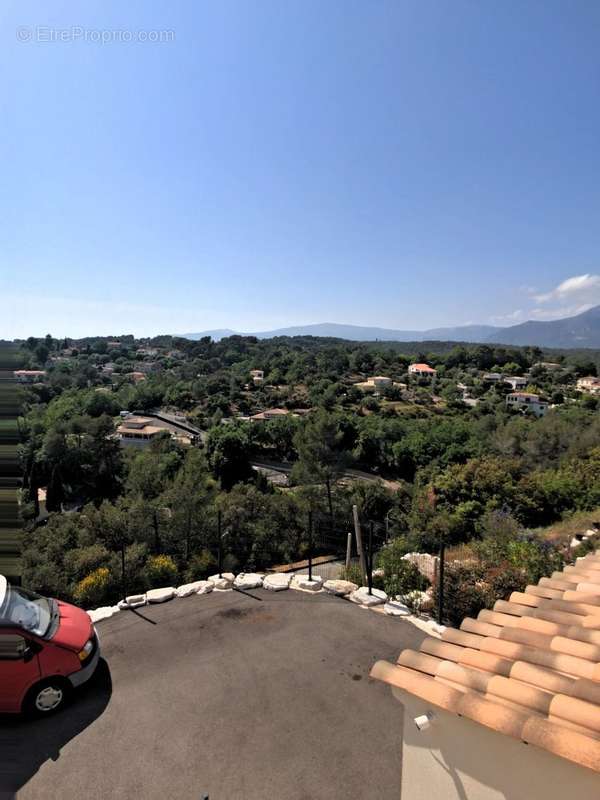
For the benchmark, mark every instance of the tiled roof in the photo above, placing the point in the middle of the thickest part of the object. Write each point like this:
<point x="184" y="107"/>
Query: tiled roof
<point x="529" y="669"/>
<point x="422" y="367"/>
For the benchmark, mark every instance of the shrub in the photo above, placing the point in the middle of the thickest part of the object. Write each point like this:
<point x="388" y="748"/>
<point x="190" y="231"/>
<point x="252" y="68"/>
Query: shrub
<point x="522" y="551"/>
<point x="399" y="576"/>
<point x="536" y="557"/>
<point x="353" y="573"/>
<point x="83" y="561"/>
<point x="405" y="579"/>
<point x="389" y="557"/>
<point x="416" y="601"/>
<point x="586" y="546"/>
<point x="200" y="566"/>
<point x="135" y="568"/>
<point x="505" y="579"/>
<point x="466" y="591"/>
<point x="160" y="570"/>
<point x="94" y="589"/>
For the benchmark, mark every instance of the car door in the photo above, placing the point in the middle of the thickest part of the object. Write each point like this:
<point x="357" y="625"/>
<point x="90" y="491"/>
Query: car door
<point x="19" y="668"/>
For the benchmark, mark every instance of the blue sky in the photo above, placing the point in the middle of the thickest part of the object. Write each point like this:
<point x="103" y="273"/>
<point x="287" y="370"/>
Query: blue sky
<point x="398" y="163"/>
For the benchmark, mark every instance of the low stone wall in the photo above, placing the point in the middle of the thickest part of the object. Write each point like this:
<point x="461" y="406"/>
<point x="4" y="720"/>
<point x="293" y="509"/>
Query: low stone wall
<point x="427" y="564"/>
<point x="273" y="582"/>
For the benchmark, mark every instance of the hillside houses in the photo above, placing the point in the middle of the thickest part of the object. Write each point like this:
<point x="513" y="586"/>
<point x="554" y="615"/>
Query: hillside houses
<point x="374" y="384"/>
<point x="492" y="377"/>
<point x="29" y="375"/>
<point x="516" y="382"/>
<point x="527" y="401"/>
<point x="422" y="371"/>
<point x="589" y="385"/>
<point x="140" y="431"/>
<point x="269" y="414"/>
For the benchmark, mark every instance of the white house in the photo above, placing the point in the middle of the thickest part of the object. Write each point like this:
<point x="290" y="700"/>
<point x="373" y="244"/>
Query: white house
<point x="269" y="414"/>
<point x="29" y="375"/>
<point x="139" y="431"/>
<point x="549" y="366"/>
<point x="492" y="377"/>
<point x="422" y="371"/>
<point x="257" y="375"/>
<point x="527" y="401"/>
<point x="590" y="385"/>
<point x="377" y="383"/>
<point x="516" y="381"/>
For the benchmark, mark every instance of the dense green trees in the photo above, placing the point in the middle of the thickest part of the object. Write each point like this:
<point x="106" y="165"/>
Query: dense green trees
<point x="165" y="500"/>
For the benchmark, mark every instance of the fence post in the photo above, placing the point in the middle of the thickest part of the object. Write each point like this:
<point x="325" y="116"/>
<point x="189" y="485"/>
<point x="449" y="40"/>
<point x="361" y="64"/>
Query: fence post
<point x="441" y="582"/>
<point x="370" y="562"/>
<point x="348" y="551"/>
<point x="220" y="544"/>
<point x="359" y="547"/>
<point x="124" y="587"/>
<point x="310" y="544"/>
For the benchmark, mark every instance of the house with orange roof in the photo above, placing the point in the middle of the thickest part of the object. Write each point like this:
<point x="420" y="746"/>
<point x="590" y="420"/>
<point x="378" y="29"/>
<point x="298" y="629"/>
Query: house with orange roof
<point x="422" y="371"/>
<point x="508" y="706"/>
<point x="29" y="375"/>
<point x="136" y="376"/>
<point x="269" y="414"/>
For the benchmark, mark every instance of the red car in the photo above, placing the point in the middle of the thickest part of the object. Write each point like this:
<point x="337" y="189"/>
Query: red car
<point x="46" y="649"/>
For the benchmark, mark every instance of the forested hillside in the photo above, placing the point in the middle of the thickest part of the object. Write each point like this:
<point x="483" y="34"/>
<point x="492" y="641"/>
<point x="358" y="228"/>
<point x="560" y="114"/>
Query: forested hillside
<point x="432" y="457"/>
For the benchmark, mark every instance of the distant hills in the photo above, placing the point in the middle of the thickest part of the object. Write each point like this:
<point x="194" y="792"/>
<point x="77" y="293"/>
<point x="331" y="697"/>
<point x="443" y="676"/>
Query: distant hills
<point x="579" y="331"/>
<point x="359" y="333"/>
<point x="582" y="330"/>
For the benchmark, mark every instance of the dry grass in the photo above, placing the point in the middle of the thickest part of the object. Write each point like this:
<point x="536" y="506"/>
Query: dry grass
<point x="579" y="522"/>
<point x="460" y="552"/>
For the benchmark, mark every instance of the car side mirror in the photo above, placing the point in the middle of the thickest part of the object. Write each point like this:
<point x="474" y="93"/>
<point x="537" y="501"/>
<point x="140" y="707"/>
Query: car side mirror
<point x="30" y="652"/>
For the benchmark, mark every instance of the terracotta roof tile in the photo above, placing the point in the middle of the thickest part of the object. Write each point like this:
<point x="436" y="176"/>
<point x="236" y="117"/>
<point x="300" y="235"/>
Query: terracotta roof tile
<point x="529" y="669"/>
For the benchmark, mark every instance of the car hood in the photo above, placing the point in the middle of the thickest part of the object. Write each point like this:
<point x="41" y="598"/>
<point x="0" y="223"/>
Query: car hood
<point x="75" y="627"/>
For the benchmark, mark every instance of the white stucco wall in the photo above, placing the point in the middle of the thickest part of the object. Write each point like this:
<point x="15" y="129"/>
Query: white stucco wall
<point x="457" y="759"/>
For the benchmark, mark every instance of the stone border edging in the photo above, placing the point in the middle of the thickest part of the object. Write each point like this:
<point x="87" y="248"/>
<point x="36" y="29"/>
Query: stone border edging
<point x="299" y="582"/>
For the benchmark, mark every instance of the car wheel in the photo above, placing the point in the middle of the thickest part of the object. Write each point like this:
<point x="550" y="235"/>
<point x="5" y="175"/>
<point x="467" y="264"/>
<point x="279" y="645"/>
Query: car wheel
<point x="47" y="697"/>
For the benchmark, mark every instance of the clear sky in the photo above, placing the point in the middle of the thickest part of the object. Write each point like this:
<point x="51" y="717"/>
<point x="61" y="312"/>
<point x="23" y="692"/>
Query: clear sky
<point x="403" y="163"/>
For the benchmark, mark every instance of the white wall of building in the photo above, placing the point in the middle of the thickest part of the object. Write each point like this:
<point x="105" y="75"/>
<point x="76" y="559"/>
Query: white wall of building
<point x="457" y="759"/>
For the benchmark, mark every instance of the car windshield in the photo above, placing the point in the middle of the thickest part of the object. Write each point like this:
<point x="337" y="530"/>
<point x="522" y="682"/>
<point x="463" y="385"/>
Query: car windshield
<point x="28" y="610"/>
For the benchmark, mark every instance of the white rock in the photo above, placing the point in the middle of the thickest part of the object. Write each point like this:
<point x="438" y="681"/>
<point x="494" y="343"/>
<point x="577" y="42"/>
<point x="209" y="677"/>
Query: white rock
<point x="133" y="601"/>
<point x="277" y="582"/>
<point x="248" y="580"/>
<point x="396" y="609"/>
<point x="302" y="581"/>
<point x="190" y="588"/>
<point x="222" y="585"/>
<point x="363" y="598"/>
<point x="204" y="587"/>
<point x="435" y="626"/>
<point x="223" y="582"/>
<point x="98" y="614"/>
<point x="161" y="595"/>
<point x="420" y="601"/>
<point x="340" y="587"/>
<point x="574" y="542"/>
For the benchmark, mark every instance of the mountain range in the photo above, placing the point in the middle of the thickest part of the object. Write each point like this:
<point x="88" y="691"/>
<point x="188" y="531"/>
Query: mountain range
<point x="582" y="330"/>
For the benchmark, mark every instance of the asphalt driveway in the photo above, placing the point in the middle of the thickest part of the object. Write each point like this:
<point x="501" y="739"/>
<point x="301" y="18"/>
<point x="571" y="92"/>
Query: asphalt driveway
<point x="228" y="695"/>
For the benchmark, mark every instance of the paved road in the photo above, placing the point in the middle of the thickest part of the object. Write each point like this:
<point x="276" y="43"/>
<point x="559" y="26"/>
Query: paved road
<point x="228" y="695"/>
